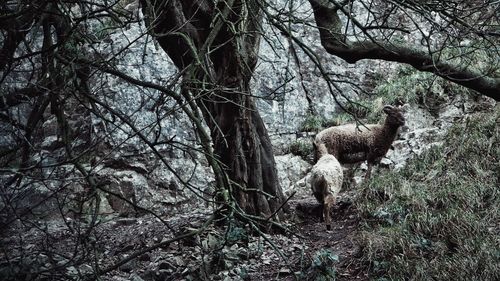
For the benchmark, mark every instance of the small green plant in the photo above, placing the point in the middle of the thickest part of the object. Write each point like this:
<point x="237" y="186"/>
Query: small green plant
<point x="105" y="28"/>
<point x="322" y="266"/>
<point x="314" y="123"/>
<point x="236" y="234"/>
<point x="412" y="86"/>
<point x="406" y="87"/>
<point x="477" y="55"/>
<point x="339" y="119"/>
<point x="301" y="147"/>
<point x="311" y="123"/>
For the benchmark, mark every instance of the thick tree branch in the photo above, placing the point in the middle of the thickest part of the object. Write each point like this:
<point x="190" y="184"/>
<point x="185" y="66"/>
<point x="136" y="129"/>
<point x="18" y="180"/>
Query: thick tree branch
<point x="335" y="43"/>
<point x="19" y="96"/>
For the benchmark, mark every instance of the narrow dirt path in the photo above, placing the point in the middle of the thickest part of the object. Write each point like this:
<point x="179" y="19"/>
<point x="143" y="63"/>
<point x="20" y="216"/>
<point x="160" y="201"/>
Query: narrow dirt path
<point x="339" y="241"/>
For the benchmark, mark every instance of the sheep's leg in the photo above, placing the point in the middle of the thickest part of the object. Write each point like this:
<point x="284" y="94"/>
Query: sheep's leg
<point x="326" y="214"/>
<point x="327" y="206"/>
<point x="321" y="200"/>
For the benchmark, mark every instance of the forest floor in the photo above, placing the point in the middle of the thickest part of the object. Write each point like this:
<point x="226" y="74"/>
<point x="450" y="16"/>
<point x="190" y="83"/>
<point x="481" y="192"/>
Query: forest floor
<point x="340" y="241"/>
<point x="207" y="256"/>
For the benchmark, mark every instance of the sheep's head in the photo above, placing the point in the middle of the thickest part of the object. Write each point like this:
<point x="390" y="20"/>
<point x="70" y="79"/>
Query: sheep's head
<point x="394" y="115"/>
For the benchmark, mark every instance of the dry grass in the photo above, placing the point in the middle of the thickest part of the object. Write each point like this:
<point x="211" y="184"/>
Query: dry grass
<point x="438" y="218"/>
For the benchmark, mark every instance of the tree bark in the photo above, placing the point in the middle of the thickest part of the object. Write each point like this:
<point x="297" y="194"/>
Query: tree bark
<point x="216" y="47"/>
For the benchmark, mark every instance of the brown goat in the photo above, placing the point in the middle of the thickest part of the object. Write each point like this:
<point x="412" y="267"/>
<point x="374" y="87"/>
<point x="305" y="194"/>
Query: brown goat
<point x="353" y="144"/>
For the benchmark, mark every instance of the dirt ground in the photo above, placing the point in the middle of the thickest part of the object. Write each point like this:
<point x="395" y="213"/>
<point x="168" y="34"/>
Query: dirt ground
<point x="204" y="257"/>
<point x="339" y="241"/>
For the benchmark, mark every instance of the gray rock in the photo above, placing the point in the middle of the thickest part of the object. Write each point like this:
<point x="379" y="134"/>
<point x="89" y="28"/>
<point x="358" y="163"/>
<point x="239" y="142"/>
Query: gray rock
<point x="291" y="168"/>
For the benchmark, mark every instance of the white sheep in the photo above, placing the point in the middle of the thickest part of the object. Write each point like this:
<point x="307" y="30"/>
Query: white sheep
<point x="353" y="144"/>
<point x="326" y="181"/>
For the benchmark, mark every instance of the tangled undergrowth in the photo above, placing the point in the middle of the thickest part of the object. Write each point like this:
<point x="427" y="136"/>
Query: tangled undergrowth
<point x="439" y="217"/>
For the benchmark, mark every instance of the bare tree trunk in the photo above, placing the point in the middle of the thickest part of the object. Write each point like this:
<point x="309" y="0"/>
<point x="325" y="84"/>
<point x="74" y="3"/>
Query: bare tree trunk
<point x="217" y="49"/>
<point x="245" y="149"/>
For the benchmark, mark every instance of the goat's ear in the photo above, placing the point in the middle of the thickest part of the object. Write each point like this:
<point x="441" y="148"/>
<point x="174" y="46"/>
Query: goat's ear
<point x="388" y="109"/>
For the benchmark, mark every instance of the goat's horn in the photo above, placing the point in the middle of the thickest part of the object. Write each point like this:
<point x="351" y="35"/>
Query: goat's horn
<point x="388" y="108"/>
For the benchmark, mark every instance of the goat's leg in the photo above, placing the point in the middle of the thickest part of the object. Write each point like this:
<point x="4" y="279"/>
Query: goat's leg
<point x="368" y="171"/>
<point x="372" y="160"/>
